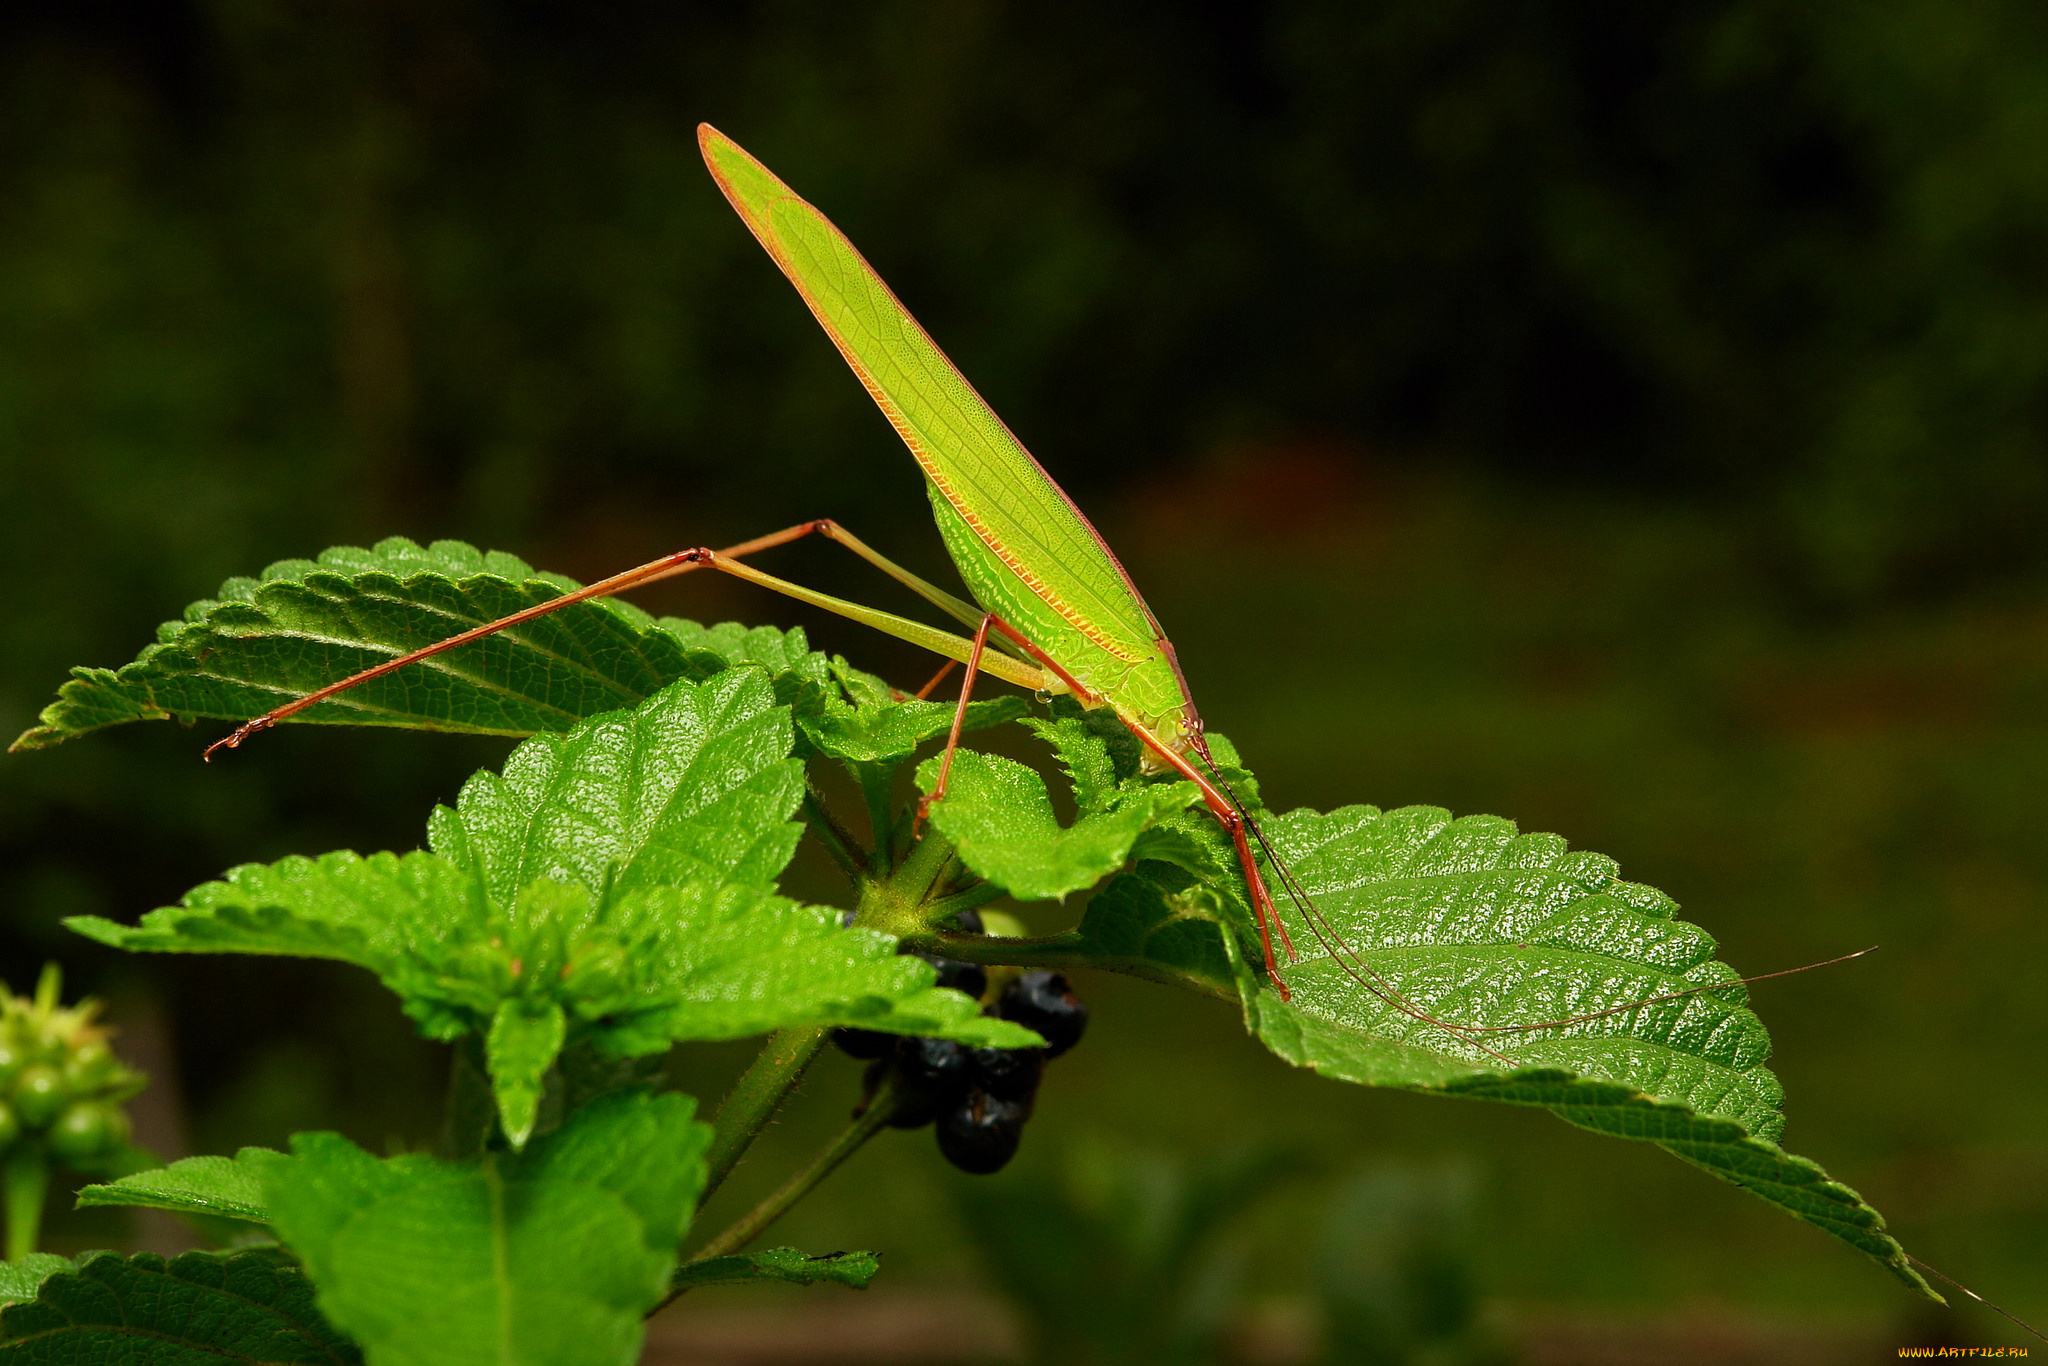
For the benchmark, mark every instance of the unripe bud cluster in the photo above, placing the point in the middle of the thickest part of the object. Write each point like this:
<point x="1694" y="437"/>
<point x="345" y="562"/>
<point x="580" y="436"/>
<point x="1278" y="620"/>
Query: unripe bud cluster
<point x="60" y="1085"/>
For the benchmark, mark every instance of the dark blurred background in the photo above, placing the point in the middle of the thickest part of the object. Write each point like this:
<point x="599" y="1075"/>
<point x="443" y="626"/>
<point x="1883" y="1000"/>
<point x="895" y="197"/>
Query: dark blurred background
<point x="1632" y="420"/>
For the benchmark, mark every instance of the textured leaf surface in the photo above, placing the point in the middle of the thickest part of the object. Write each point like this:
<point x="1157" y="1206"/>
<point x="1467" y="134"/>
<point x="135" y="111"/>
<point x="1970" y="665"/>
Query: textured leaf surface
<point x="1160" y="916"/>
<point x="551" y="1255"/>
<point x="21" y="1279"/>
<point x="889" y="731"/>
<point x="781" y="1264"/>
<point x="613" y="885"/>
<point x="230" y="1187"/>
<point x="998" y="814"/>
<point x="1093" y="747"/>
<point x="1459" y="957"/>
<point x="1495" y="936"/>
<point x="252" y="1308"/>
<point x="305" y="623"/>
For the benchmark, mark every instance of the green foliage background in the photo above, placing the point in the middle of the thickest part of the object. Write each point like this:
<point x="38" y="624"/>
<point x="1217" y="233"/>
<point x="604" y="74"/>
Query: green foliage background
<point x="1625" y="419"/>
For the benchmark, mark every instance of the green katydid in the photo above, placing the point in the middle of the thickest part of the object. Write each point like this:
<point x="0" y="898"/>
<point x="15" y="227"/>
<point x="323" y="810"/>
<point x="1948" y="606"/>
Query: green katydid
<point x="1049" y="589"/>
<point x="1049" y="594"/>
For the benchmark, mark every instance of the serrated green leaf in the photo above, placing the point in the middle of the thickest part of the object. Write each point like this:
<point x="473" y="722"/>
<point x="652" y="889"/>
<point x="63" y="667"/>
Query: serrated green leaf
<point x="999" y="816"/>
<point x="342" y="906"/>
<point x="1466" y="958"/>
<point x="618" y="876"/>
<point x="1158" y="916"/>
<point x="782" y="1264"/>
<point x="1097" y="751"/>
<point x="1475" y="924"/>
<point x="859" y="687"/>
<point x="863" y="721"/>
<point x="22" y="1278"/>
<point x="305" y="624"/>
<point x="1462" y="957"/>
<point x="252" y="1308"/>
<point x="228" y="1187"/>
<point x="747" y="964"/>
<point x="780" y="652"/>
<point x="551" y="1255"/>
<point x="697" y="787"/>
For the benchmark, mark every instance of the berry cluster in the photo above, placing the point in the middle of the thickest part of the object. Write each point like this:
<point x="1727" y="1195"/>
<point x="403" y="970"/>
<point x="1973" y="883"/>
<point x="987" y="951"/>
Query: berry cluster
<point x="60" y="1085"/>
<point x="978" y="1097"/>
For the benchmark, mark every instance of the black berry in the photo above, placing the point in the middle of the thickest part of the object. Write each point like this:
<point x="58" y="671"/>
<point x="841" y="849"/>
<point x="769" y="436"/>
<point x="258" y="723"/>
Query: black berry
<point x="1042" y="1001"/>
<point x="935" y="1065"/>
<point x="981" y="1135"/>
<point x="1007" y="1073"/>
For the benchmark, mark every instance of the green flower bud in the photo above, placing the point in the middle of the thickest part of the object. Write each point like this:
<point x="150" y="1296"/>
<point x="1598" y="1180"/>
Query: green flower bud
<point x="10" y="1060"/>
<point x="598" y="969"/>
<point x="39" y="1093"/>
<point x="90" y="1066"/>
<point x="87" y="1131"/>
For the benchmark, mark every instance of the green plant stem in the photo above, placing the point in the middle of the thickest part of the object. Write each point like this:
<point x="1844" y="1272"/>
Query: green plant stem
<point x="27" y="1184"/>
<point x="876" y="781"/>
<point x="837" y="840"/>
<point x="979" y="895"/>
<point x="923" y="870"/>
<point x="755" y="1221"/>
<point x="1066" y="952"/>
<point x="756" y="1095"/>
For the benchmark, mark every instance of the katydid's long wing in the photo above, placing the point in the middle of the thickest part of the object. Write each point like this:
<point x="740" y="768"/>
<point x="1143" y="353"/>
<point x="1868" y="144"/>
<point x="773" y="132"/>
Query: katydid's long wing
<point x="1025" y="532"/>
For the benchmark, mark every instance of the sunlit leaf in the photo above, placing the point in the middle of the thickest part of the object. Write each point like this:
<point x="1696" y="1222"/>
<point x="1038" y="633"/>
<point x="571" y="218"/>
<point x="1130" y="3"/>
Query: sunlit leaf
<point x="999" y="816"/>
<point x="229" y="1187"/>
<point x="617" y="879"/>
<point x="550" y="1255"/>
<point x="307" y="623"/>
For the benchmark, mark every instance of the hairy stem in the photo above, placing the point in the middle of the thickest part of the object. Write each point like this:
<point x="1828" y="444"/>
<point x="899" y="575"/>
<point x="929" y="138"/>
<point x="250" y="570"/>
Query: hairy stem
<point x="27" y="1183"/>
<point x="755" y="1221"/>
<point x="762" y="1088"/>
<point x="876" y="783"/>
<point x="946" y="907"/>
<point x="924" y="870"/>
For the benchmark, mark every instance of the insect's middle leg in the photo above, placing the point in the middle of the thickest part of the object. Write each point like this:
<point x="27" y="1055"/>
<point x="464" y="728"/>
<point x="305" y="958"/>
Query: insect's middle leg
<point x="959" y="717"/>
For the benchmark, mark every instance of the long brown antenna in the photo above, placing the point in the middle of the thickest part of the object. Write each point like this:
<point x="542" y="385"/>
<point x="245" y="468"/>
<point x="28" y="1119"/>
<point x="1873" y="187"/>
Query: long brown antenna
<point x="1347" y="959"/>
<point x="1669" y="996"/>
<point x="2004" y="1313"/>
